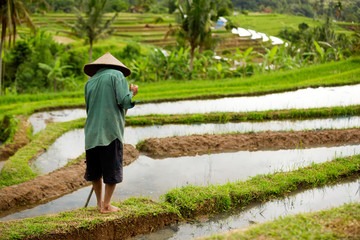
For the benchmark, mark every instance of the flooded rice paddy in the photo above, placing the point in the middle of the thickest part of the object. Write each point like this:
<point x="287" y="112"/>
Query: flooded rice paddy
<point x="39" y="120"/>
<point x="305" y="201"/>
<point x="304" y="98"/>
<point x="72" y="144"/>
<point x="152" y="178"/>
<point x="149" y="177"/>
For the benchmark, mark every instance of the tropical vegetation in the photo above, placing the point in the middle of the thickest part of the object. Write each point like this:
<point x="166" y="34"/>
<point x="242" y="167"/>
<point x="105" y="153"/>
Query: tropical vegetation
<point x="195" y="49"/>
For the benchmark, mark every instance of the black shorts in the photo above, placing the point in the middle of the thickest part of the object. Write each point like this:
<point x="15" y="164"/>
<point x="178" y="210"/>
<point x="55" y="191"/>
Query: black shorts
<point x="106" y="162"/>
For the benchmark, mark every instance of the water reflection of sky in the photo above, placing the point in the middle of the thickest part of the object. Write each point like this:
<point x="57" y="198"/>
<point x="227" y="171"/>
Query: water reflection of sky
<point x="149" y="177"/>
<point x="39" y="120"/>
<point x="72" y="144"/>
<point x="304" y="98"/>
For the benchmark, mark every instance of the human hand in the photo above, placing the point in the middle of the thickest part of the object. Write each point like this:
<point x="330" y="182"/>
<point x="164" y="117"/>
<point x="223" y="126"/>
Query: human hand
<point x="134" y="89"/>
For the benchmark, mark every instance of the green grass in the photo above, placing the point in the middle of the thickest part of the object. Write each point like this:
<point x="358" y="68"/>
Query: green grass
<point x="220" y="117"/>
<point x="337" y="223"/>
<point x="16" y="169"/>
<point x="193" y="201"/>
<point x="76" y="220"/>
<point x="189" y="201"/>
<point x="335" y="73"/>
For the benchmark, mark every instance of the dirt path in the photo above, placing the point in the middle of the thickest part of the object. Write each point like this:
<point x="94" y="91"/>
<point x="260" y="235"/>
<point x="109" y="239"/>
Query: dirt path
<point x="205" y="144"/>
<point x="53" y="185"/>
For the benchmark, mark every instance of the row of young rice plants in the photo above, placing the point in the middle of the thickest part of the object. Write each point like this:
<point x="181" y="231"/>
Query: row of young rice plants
<point x="326" y="112"/>
<point x="186" y="202"/>
<point x="329" y="74"/>
<point x="17" y="170"/>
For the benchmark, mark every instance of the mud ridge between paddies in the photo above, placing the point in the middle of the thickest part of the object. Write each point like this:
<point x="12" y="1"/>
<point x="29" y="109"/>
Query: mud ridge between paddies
<point x="210" y="143"/>
<point x="47" y="187"/>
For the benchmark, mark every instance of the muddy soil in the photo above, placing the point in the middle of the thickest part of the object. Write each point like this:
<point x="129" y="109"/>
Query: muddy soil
<point x="53" y="185"/>
<point x="205" y="144"/>
<point x="116" y="229"/>
<point x="19" y="140"/>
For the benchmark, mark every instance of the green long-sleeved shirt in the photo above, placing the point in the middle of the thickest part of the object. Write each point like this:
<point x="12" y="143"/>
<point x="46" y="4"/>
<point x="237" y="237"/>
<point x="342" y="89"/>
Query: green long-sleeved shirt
<point x="107" y="95"/>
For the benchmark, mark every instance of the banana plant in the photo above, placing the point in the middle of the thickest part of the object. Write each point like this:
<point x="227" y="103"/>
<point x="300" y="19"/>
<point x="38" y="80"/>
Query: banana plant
<point x="244" y="58"/>
<point x="55" y="72"/>
<point x="268" y="59"/>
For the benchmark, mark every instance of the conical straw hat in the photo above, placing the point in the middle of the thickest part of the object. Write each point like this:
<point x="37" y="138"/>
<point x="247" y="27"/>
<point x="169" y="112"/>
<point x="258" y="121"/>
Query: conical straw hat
<point x="106" y="61"/>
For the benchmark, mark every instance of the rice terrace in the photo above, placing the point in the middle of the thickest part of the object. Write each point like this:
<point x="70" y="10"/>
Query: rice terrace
<point x="246" y="122"/>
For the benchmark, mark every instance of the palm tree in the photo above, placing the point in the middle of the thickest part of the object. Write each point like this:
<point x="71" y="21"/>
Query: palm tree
<point x="12" y="14"/>
<point x="93" y="26"/>
<point x="195" y="18"/>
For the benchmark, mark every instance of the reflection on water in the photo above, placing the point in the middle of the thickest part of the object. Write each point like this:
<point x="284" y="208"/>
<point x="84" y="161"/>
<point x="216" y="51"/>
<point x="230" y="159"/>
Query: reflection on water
<point x="69" y="146"/>
<point x="39" y="120"/>
<point x="306" y="201"/>
<point x="72" y="144"/>
<point x="135" y="134"/>
<point x="304" y="98"/>
<point x="148" y="177"/>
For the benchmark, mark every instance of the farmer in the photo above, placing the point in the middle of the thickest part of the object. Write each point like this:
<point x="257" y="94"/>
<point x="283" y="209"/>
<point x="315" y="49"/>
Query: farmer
<point x="107" y="98"/>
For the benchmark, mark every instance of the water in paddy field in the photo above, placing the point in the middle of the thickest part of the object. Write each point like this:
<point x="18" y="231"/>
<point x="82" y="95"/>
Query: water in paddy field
<point x="305" y="201"/>
<point x="152" y="178"/>
<point x="135" y="134"/>
<point x="72" y="144"/>
<point x="69" y="146"/>
<point x="304" y="98"/>
<point x="39" y="120"/>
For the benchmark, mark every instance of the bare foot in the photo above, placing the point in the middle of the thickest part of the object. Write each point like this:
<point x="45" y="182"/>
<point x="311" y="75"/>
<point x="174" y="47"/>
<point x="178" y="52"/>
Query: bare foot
<point x="99" y="206"/>
<point x="109" y="209"/>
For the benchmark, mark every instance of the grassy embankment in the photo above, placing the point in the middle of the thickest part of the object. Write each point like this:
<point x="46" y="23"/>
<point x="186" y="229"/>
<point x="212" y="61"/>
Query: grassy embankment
<point x="336" y="223"/>
<point x="187" y="202"/>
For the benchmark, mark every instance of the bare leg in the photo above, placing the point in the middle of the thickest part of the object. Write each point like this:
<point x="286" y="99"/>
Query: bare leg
<point x="107" y="207"/>
<point x="97" y="185"/>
